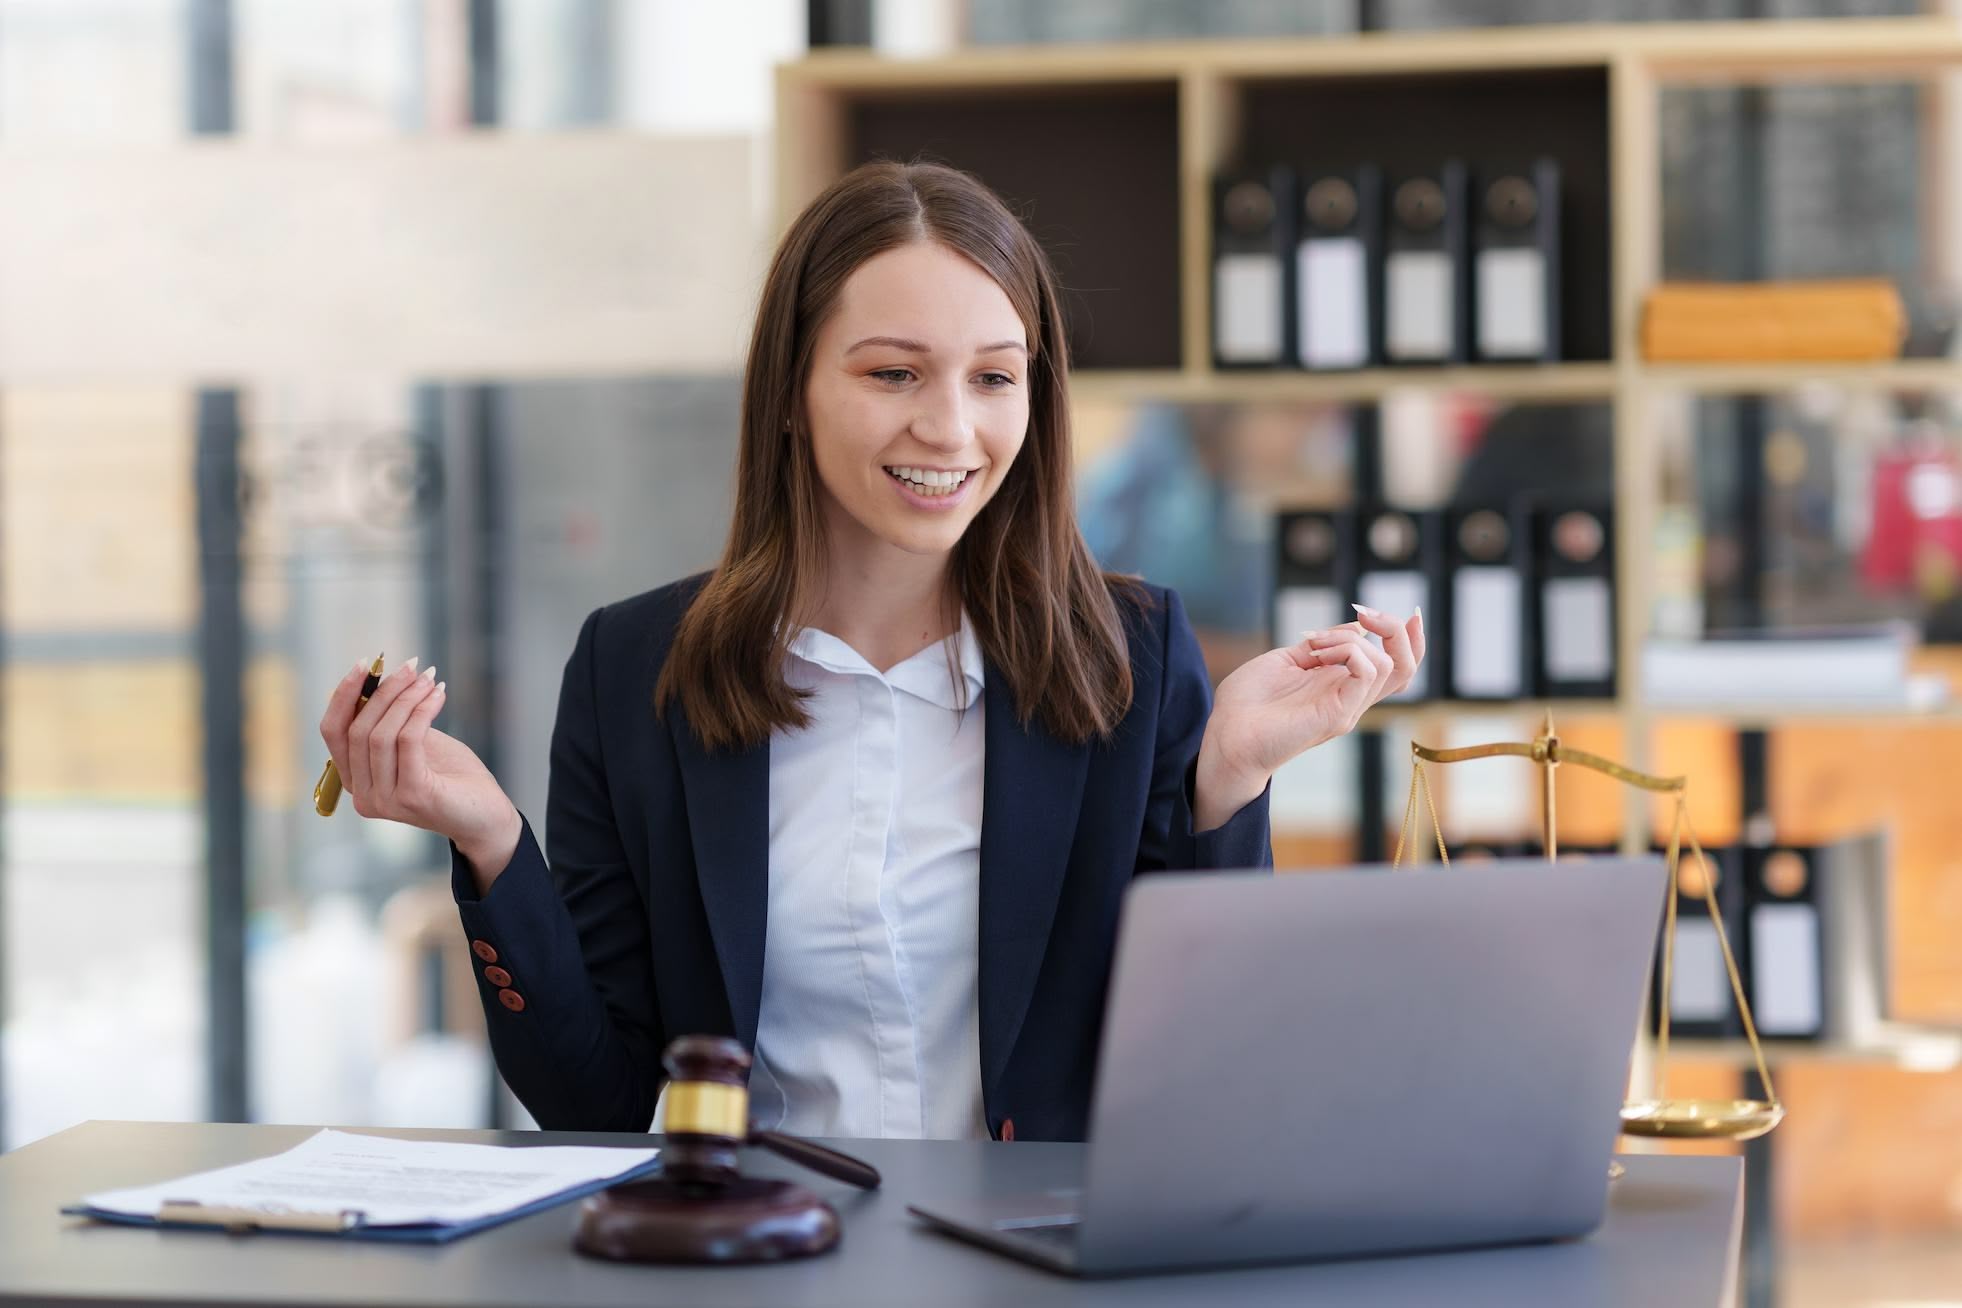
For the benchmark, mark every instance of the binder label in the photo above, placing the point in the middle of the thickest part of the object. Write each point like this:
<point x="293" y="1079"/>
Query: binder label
<point x="1486" y="649"/>
<point x="1511" y="302"/>
<point x="1333" y="315"/>
<point x="1305" y="608"/>
<point x="1699" y="988"/>
<point x="1578" y="627"/>
<point x="1247" y="310"/>
<point x="1785" y="969"/>
<point x="1417" y="304"/>
<point x="1398" y="594"/>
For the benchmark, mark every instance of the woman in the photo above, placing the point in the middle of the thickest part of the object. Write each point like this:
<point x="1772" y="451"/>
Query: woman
<point x="865" y="797"/>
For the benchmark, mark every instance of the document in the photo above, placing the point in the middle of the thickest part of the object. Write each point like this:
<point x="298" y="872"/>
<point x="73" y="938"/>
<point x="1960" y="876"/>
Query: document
<point x="382" y="1181"/>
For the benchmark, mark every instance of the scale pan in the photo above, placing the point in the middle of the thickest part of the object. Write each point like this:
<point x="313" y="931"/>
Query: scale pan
<point x="1700" y="1119"/>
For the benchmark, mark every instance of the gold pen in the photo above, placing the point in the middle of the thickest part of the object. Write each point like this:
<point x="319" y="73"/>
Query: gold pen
<point x="327" y="791"/>
<point x="238" y="1219"/>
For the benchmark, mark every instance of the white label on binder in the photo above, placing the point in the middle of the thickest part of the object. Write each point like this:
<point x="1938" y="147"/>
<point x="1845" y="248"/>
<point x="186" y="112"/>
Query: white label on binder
<point x="1511" y="302"/>
<point x="1785" y="969"/>
<point x="1578" y="629"/>
<point x="1488" y="614"/>
<point x="1699" y="989"/>
<point x="1399" y="594"/>
<point x="1333" y="315"/>
<point x="1247" y="309"/>
<point x="1305" y="608"/>
<point x="1417" y="307"/>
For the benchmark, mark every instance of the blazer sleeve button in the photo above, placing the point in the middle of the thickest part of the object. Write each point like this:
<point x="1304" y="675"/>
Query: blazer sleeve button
<point x="497" y="976"/>
<point x="512" y="1000"/>
<point x="482" y="949"/>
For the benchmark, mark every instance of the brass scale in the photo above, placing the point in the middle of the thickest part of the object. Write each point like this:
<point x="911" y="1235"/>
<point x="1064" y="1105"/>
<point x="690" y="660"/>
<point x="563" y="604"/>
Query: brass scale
<point x="1658" y="1115"/>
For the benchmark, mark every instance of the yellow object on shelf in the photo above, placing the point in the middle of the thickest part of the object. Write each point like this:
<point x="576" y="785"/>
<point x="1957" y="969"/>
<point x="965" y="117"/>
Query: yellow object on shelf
<point x="1726" y="322"/>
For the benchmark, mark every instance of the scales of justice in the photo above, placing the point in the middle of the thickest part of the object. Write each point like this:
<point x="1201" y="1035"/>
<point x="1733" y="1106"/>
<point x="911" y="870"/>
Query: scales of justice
<point x="1658" y="1115"/>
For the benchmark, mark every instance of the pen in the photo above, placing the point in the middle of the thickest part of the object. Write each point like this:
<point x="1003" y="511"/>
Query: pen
<point x="189" y="1212"/>
<point x="327" y="791"/>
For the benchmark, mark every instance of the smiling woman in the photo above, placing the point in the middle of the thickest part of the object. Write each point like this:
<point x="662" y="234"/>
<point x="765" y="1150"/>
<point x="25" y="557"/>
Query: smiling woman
<point x="866" y="796"/>
<point x="906" y="450"/>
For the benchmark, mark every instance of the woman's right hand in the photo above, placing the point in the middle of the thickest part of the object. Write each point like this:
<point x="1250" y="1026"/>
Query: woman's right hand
<point x="395" y="765"/>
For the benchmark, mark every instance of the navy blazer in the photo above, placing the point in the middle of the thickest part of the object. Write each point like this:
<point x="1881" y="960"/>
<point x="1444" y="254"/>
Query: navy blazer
<point x="649" y="921"/>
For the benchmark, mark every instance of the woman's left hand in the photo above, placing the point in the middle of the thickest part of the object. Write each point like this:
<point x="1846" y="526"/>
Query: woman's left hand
<point x="1290" y="700"/>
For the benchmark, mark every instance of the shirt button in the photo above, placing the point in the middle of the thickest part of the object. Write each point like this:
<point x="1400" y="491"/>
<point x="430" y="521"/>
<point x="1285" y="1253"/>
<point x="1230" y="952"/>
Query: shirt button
<point x="497" y="976"/>
<point x="482" y="949"/>
<point x="512" y="1000"/>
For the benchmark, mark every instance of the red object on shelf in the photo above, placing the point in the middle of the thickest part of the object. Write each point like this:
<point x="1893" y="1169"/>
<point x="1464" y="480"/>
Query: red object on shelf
<point x="1916" y="533"/>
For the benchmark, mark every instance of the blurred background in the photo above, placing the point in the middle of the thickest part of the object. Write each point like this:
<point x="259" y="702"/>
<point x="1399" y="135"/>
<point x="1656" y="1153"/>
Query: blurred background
<point x="330" y="327"/>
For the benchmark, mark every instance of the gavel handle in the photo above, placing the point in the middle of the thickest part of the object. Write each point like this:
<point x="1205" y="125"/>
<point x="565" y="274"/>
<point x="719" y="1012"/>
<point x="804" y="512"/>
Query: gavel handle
<point x="829" y="1162"/>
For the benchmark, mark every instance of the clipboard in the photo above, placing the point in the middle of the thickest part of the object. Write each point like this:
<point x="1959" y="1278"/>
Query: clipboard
<point x="348" y="1224"/>
<point x="350" y="1185"/>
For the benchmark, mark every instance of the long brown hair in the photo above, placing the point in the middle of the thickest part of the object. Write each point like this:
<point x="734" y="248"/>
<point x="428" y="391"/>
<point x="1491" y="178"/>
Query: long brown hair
<point x="1045" y="615"/>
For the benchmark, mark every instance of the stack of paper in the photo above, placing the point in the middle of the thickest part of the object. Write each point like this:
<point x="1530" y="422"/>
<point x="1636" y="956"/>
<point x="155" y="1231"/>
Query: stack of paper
<point x="376" y="1187"/>
<point x="1850" y="667"/>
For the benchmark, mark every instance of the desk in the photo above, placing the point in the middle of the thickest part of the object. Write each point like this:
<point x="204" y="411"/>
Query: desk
<point x="1672" y="1237"/>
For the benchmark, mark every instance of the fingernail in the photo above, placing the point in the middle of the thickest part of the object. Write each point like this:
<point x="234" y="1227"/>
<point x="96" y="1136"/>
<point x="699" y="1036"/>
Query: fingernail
<point x="429" y="673"/>
<point x="411" y="664"/>
<point x="1420" y="613"/>
<point x="359" y="667"/>
<point x="1367" y="613"/>
<point x="442" y="686"/>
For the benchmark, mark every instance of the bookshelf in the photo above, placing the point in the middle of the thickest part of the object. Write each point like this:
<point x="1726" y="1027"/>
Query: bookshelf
<point x="1153" y="122"/>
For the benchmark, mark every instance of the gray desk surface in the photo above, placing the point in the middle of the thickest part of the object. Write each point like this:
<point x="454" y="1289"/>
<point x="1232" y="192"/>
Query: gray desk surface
<point x="1671" y="1237"/>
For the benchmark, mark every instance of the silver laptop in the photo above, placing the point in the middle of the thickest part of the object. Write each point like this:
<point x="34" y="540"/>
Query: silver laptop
<point x="1338" y="1063"/>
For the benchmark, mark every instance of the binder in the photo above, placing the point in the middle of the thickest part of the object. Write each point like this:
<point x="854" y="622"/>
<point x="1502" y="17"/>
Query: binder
<point x="1574" y="600"/>
<point x="1336" y="292"/>
<point x="1818" y="927"/>
<point x="1400" y="566"/>
<point x="1853" y="898"/>
<point x="1783" y="909"/>
<point x="1253" y="261"/>
<point x="1490" y="561"/>
<point x="1516" y="267"/>
<point x="1314" y="571"/>
<point x="1426" y="316"/>
<point x="1701" y="1002"/>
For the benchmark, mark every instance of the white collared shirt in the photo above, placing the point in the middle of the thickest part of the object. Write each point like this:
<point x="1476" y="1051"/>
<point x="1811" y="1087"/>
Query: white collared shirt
<point x="870" y="1020"/>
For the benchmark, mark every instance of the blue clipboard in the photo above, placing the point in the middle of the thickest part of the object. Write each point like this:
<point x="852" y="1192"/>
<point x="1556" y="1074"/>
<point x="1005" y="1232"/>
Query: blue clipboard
<point x="346" y="1225"/>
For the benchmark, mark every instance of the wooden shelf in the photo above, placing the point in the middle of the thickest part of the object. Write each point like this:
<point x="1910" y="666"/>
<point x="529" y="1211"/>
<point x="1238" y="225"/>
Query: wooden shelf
<point x="1760" y="716"/>
<point x="1431" y="709"/>
<point x="1902" y="1045"/>
<point x="1794" y="714"/>
<point x="1735" y="51"/>
<point x="1900" y="375"/>
<point x="1545" y="383"/>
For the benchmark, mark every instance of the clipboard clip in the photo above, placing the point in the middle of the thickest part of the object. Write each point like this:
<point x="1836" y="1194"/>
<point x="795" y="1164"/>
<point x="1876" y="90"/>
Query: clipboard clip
<point x="243" y="1221"/>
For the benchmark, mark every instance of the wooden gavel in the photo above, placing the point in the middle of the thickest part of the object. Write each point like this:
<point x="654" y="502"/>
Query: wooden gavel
<point x="707" y="1120"/>
<point x="701" y="1208"/>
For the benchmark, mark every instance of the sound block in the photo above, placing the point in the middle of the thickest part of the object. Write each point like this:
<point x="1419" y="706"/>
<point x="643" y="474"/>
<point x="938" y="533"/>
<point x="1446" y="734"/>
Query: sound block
<point x="748" y="1220"/>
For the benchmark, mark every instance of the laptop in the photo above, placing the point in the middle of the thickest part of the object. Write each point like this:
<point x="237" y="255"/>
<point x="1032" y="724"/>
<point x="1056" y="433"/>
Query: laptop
<point x="1341" y="1063"/>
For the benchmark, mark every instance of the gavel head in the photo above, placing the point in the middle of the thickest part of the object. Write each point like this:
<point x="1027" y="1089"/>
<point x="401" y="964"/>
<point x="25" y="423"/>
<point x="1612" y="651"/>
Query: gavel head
<point x="707" y="1116"/>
